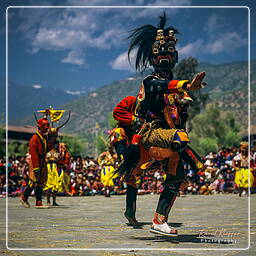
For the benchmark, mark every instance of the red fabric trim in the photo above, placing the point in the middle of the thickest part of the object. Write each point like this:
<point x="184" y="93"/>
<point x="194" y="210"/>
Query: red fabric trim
<point x="172" y="86"/>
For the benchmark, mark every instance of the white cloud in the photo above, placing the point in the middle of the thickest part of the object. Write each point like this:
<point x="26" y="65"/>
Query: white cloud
<point x="212" y="23"/>
<point x="37" y="86"/>
<point x="77" y="30"/>
<point x="122" y="63"/>
<point x="109" y="38"/>
<point x="226" y="42"/>
<point x="51" y="39"/>
<point x="223" y="43"/>
<point x="191" y="49"/>
<point x="74" y="57"/>
<point x="71" y="30"/>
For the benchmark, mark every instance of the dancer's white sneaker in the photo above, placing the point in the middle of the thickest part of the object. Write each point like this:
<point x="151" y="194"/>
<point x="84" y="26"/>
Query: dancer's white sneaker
<point x="163" y="229"/>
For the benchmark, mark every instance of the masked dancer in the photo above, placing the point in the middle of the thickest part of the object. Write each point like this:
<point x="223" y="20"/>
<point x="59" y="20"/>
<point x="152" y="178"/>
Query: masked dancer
<point x="37" y="164"/>
<point x="165" y="136"/>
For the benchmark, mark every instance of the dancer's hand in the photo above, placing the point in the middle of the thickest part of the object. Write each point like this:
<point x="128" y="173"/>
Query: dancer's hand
<point x="197" y="82"/>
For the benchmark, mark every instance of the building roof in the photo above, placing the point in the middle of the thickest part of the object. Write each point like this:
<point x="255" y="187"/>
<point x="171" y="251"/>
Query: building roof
<point x="22" y="129"/>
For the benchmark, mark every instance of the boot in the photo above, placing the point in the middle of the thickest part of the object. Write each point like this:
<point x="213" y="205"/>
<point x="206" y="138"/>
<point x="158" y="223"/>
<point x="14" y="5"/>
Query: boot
<point x="24" y="202"/>
<point x="131" y="197"/>
<point x="25" y="196"/>
<point x="107" y="192"/>
<point x="39" y="205"/>
<point x="48" y="196"/>
<point x="130" y="216"/>
<point x="54" y="196"/>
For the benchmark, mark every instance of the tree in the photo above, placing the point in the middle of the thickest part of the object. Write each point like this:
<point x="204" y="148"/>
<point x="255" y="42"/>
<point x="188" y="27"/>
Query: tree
<point x="111" y="121"/>
<point x="76" y="145"/>
<point x="186" y="70"/>
<point x="17" y="148"/>
<point x="102" y="140"/>
<point x="2" y="142"/>
<point x="102" y="143"/>
<point x="213" y="129"/>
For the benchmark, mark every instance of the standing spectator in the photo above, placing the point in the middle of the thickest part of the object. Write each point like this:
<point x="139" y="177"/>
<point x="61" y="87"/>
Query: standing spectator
<point x="241" y="165"/>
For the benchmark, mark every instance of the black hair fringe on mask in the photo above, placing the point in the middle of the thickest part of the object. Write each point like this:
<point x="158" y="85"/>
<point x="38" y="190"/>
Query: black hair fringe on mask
<point x="142" y="39"/>
<point x="162" y="22"/>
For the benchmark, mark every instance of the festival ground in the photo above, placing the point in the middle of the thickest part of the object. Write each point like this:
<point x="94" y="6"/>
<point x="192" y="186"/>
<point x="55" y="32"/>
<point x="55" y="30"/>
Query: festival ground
<point x="97" y="222"/>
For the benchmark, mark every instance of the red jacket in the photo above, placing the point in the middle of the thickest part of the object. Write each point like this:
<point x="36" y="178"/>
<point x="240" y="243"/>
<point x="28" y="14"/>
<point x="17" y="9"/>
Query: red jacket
<point x="37" y="150"/>
<point x="123" y="112"/>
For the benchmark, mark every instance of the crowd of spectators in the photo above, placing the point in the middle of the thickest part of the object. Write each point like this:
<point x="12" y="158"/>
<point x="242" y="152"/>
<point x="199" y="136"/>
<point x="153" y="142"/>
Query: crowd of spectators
<point x="85" y="176"/>
<point x="218" y="176"/>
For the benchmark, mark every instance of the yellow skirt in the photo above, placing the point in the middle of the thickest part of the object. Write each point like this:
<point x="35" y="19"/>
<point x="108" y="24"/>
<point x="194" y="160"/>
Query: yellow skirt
<point x="53" y="178"/>
<point x="107" y="176"/>
<point x="64" y="182"/>
<point x="242" y="178"/>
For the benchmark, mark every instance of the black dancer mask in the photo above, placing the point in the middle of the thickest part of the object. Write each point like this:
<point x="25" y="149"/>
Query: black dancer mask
<point x="155" y="46"/>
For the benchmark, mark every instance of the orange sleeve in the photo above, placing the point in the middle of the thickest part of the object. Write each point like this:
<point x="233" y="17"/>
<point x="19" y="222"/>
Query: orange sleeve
<point x="123" y="112"/>
<point x="177" y="85"/>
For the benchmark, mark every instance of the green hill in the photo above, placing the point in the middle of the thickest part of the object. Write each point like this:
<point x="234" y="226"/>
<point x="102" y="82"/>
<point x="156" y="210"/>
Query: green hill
<point x="227" y="85"/>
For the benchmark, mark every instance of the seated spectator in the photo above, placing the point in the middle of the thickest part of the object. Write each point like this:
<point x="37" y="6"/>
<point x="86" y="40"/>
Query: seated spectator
<point x="206" y="189"/>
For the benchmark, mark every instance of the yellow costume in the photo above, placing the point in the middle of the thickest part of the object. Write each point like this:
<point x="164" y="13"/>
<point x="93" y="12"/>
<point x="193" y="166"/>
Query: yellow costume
<point x="242" y="177"/>
<point x="106" y="176"/>
<point x="64" y="182"/>
<point x="54" y="179"/>
<point x="106" y="161"/>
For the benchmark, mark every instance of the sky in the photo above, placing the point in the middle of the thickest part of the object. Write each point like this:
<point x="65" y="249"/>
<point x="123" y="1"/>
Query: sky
<point x="76" y="48"/>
